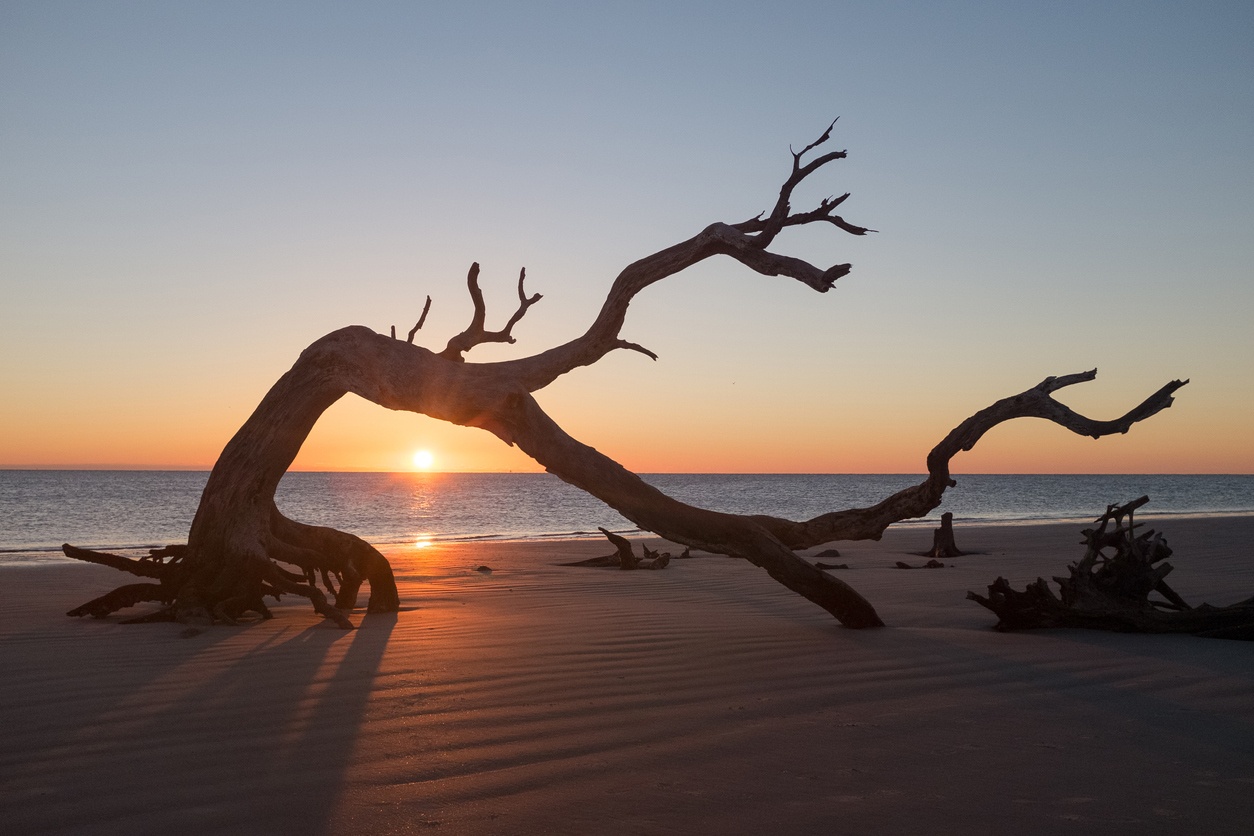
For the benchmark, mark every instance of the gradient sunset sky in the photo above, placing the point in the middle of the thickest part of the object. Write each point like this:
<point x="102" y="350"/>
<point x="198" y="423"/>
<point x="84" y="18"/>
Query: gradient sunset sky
<point x="192" y="193"/>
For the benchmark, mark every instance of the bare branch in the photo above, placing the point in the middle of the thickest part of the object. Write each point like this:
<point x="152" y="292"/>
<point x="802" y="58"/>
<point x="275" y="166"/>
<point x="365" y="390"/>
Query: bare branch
<point x="823" y="214"/>
<point x="827" y="134"/>
<point x="746" y="242"/>
<point x="634" y="347"/>
<point x="475" y="334"/>
<point x="425" y="310"/>
<point x="917" y="501"/>
<point x="780" y="216"/>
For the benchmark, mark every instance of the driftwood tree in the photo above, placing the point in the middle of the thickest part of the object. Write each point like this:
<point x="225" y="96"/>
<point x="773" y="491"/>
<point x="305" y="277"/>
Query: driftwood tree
<point x="240" y="545"/>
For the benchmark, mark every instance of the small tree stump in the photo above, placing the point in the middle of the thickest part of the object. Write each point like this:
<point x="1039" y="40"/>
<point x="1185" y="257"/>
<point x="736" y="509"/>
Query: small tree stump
<point x="943" y="544"/>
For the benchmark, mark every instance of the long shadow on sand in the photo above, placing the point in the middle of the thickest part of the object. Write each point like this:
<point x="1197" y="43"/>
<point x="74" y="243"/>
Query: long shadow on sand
<point x="237" y="730"/>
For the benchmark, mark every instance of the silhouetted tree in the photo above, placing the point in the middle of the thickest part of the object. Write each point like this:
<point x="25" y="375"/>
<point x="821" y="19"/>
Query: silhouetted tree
<point x="241" y="549"/>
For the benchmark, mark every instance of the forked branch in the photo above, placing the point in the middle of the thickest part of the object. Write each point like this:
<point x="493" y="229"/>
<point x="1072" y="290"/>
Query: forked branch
<point x="746" y="242"/>
<point x="765" y="229"/>
<point x="475" y="334"/>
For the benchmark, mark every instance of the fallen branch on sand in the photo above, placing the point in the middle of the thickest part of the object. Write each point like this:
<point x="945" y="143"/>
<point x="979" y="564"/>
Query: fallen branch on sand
<point x="1111" y="592"/>
<point x="625" y="558"/>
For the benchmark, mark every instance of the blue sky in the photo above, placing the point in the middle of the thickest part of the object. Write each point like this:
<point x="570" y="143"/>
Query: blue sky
<point x="191" y="193"/>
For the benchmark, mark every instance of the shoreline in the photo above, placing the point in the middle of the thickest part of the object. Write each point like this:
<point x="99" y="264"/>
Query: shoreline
<point x="52" y="554"/>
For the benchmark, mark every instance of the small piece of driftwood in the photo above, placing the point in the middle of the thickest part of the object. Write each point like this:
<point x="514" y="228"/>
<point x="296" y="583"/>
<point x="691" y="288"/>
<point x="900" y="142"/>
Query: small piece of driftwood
<point x="625" y="558"/>
<point x="931" y="564"/>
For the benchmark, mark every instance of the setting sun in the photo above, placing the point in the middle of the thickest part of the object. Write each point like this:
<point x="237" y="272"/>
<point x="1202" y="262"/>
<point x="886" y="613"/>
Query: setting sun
<point x="423" y="459"/>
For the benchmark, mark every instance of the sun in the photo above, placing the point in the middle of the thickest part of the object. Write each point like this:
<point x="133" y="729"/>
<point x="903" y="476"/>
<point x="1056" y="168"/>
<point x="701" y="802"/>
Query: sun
<point x="423" y="460"/>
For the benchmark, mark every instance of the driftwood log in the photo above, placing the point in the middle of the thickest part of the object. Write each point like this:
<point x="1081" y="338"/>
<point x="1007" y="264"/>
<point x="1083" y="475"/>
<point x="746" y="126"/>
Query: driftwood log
<point x="624" y="558"/>
<point x="1111" y="591"/>
<point x="239" y="543"/>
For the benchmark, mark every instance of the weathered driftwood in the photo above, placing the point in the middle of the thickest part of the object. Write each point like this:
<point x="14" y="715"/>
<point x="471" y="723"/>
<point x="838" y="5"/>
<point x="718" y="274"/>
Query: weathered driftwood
<point x="943" y="544"/>
<point x="624" y="558"/>
<point x="1112" y="591"/>
<point x="239" y="541"/>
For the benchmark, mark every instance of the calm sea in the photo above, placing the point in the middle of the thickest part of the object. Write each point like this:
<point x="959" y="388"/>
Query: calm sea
<point x="40" y="509"/>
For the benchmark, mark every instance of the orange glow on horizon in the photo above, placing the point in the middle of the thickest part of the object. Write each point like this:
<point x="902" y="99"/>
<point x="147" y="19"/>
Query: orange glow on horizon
<point x="892" y="437"/>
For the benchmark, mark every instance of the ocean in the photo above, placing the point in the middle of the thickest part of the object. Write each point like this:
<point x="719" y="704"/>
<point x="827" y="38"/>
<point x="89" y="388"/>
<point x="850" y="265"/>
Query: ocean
<point x="127" y="510"/>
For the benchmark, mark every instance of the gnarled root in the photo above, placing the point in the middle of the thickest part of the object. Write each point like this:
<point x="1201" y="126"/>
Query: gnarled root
<point x="1111" y="591"/>
<point x="200" y="584"/>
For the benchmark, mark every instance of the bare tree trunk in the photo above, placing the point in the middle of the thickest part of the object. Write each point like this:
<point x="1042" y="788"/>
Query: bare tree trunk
<point x="239" y="539"/>
<point x="943" y="544"/>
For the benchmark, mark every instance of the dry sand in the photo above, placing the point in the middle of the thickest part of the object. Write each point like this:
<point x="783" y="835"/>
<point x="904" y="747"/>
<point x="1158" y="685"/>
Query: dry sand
<point x="704" y="698"/>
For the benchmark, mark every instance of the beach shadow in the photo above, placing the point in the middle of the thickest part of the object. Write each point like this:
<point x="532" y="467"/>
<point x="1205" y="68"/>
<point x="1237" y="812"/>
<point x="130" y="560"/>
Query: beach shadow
<point x="205" y="736"/>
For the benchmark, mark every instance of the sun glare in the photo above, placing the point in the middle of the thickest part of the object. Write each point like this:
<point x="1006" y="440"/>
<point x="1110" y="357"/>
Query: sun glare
<point x="423" y="460"/>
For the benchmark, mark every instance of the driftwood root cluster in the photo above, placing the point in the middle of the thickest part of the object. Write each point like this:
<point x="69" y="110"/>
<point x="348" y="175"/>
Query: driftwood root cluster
<point x="234" y="591"/>
<point x="1110" y="588"/>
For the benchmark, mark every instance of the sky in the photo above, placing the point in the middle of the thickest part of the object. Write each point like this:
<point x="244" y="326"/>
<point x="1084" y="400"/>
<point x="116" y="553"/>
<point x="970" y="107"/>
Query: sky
<point x="192" y="193"/>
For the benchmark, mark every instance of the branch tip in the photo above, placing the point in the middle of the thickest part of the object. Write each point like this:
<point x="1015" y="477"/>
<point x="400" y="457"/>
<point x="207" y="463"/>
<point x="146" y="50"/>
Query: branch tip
<point x="620" y="343"/>
<point x="475" y="334"/>
<point x="423" y="318"/>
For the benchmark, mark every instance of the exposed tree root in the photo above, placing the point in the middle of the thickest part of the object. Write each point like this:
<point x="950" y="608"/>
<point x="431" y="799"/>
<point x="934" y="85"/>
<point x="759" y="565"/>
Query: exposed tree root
<point x="204" y="587"/>
<point x="1111" y="592"/>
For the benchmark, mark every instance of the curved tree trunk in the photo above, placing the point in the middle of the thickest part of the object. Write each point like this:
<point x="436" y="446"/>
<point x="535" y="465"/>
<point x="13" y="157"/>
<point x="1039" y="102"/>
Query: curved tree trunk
<point x="238" y="538"/>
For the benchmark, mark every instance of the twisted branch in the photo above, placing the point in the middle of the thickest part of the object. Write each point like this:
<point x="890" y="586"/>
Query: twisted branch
<point x="919" y="500"/>
<point x="238" y="537"/>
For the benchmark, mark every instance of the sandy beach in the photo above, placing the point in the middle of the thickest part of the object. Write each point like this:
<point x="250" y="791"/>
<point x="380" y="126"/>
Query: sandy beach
<point x="704" y="698"/>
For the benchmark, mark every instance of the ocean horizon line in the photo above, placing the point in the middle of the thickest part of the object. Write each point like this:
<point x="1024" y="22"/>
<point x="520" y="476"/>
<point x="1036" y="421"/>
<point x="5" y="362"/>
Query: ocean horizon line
<point x="198" y="469"/>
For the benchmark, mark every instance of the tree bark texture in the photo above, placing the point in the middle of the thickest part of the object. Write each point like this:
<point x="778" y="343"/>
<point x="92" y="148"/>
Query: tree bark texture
<point x="239" y="542"/>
